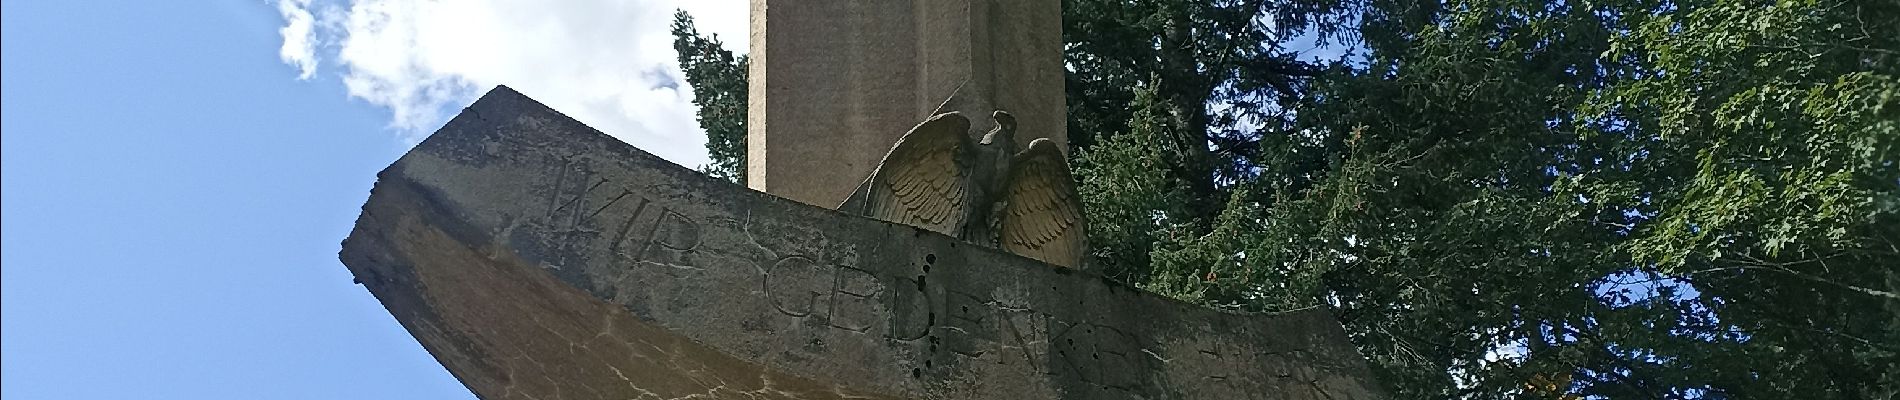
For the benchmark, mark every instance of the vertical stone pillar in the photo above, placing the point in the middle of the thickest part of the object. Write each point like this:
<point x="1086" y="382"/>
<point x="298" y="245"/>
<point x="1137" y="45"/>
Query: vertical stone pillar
<point x="834" y="83"/>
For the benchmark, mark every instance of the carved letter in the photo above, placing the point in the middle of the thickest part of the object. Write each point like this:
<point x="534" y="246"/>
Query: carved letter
<point x="567" y="201"/>
<point x="910" y="310"/>
<point x="794" y="283"/>
<point x="619" y="246"/>
<point x="854" y="299"/>
<point x="1068" y="352"/>
<point x="1028" y="329"/>
<point x="672" y="242"/>
<point x="968" y="331"/>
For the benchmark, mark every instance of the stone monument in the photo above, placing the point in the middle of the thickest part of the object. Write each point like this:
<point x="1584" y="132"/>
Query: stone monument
<point x="537" y="258"/>
<point x="834" y="82"/>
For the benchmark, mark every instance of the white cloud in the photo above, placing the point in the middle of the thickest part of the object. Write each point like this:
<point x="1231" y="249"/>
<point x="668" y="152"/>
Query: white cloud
<point x="300" y="42"/>
<point x="726" y="19"/>
<point x="609" y="64"/>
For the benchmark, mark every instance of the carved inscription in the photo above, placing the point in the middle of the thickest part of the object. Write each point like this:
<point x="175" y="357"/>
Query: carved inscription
<point x="794" y="284"/>
<point x="853" y="294"/>
<point x="911" y="313"/>
<point x="647" y="233"/>
<point x="672" y="242"/>
<point x="967" y="331"/>
<point x="583" y="207"/>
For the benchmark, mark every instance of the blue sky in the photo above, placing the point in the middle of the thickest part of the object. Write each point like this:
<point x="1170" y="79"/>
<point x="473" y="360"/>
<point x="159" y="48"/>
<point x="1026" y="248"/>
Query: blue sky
<point x="174" y="196"/>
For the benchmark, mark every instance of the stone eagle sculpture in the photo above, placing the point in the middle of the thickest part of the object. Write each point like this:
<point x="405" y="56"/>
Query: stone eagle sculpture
<point x="986" y="192"/>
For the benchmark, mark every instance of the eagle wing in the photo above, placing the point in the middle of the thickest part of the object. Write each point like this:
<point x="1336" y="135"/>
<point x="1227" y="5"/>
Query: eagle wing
<point x="1042" y="216"/>
<point x="924" y="180"/>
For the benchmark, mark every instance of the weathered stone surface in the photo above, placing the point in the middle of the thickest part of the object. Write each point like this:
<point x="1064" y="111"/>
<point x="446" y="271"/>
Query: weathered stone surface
<point x="833" y="83"/>
<point x="538" y="258"/>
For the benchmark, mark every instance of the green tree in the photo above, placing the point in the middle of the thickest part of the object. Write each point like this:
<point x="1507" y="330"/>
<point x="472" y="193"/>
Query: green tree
<point x="1633" y="199"/>
<point x="1127" y="190"/>
<point x="1507" y="198"/>
<point x="719" y="90"/>
<point x="1202" y="84"/>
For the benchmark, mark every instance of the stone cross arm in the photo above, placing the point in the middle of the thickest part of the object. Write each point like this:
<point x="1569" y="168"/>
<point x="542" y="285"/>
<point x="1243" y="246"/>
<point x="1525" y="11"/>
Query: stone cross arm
<point x="537" y="258"/>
